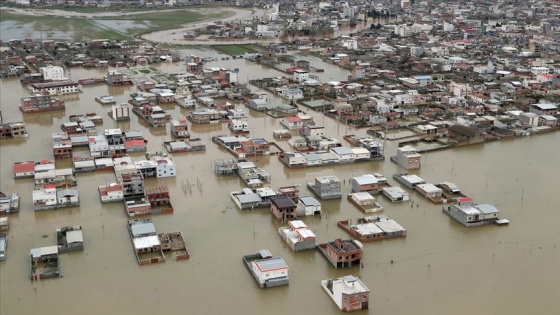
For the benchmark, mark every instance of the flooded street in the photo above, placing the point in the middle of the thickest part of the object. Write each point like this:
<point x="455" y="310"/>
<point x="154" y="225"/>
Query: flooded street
<point x="441" y="267"/>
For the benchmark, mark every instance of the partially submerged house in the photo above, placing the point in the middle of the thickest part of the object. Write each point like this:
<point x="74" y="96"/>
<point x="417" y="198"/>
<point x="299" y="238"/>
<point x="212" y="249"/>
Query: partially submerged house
<point x="342" y="253"/>
<point x="365" y="183"/>
<point x="179" y="128"/>
<point x="348" y="292"/>
<point x="269" y="271"/>
<point x="111" y="193"/>
<point x="253" y="198"/>
<point x="69" y="239"/>
<point x="9" y="203"/>
<point x="326" y="187"/>
<point x="49" y="197"/>
<point x="409" y="180"/>
<point x="147" y="246"/>
<point x="308" y="205"/>
<point x="283" y="208"/>
<point x="395" y="194"/>
<point x="298" y="236"/>
<point x="407" y="157"/>
<point x="450" y="191"/>
<point x="431" y="192"/>
<point x="371" y="229"/>
<point x="469" y="214"/>
<point x="44" y="263"/>
<point x="175" y="243"/>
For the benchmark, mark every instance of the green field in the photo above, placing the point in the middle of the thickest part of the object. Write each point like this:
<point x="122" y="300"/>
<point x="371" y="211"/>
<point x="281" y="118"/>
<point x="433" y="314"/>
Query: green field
<point x="78" y="28"/>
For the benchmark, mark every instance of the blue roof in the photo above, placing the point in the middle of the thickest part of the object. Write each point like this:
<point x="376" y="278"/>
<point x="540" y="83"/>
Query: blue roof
<point x="488" y="209"/>
<point x="422" y="77"/>
<point x="309" y="201"/>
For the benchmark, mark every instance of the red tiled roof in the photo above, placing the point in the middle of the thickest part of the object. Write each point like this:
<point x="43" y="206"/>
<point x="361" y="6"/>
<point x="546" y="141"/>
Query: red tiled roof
<point x="465" y="199"/>
<point x="22" y="167"/>
<point x="293" y="119"/>
<point x="106" y="189"/>
<point x="131" y="143"/>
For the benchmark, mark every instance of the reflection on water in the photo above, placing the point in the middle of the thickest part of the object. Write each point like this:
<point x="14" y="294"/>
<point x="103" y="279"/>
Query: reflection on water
<point x="13" y="29"/>
<point x="43" y="118"/>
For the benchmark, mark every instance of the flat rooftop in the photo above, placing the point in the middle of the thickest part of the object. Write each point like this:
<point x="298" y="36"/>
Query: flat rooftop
<point x="271" y="264"/>
<point x="367" y="229"/>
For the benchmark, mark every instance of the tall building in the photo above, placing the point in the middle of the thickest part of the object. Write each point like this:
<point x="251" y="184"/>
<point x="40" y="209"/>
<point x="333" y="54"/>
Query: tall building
<point x="52" y="73"/>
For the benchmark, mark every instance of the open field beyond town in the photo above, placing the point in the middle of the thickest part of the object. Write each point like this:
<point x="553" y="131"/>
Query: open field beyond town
<point x="94" y="23"/>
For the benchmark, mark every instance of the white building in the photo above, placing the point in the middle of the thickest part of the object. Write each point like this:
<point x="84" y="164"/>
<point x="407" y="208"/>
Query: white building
<point x="424" y="80"/>
<point x="395" y="194"/>
<point x="291" y="93"/>
<point x="55" y="87"/>
<point x="98" y="146"/>
<point x="298" y="236"/>
<point x="539" y="70"/>
<point x="165" y="165"/>
<point x="408" y="157"/>
<point x="269" y="271"/>
<point x="266" y="31"/>
<point x="349" y="42"/>
<point x="52" y="73"/>
<point x="314" y="131"/>
<point x="403" y="99"/>
<point x="308" y="205"/>
<point x="361" y="153"/>
<point x="186" y="101"/>
<point x="471" y="214"/>
<point x="403" y="30"/>
<point x="294" y="159"/>
<point x="344" y="154"/>
<point x="45" y="197"/>
<point x="348" y="292"/>
<point x="239" y="124"/>
<point x="301" y="75"/>
<point x="530" y="119"/>
<point x="111" y="193"/>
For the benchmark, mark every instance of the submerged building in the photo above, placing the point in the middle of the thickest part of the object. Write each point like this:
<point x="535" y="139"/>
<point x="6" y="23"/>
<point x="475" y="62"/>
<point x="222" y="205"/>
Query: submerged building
<point x="468" y="213"/>
<point x="269" y="271"/>
<point x="348" y="292"/>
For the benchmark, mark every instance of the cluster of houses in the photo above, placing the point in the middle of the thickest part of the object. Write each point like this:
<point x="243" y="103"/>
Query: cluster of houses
<point x="241" y="146"/>
<point x="315" y="149"/>
<point x="53" y="187"/>
<point x="130" y="188"/>
<point x="110" y="143"/>
<point x="19" y="57"/>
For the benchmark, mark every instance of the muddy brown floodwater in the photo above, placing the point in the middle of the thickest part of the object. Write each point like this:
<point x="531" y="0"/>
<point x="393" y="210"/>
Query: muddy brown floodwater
<point x="441" y="267"/>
